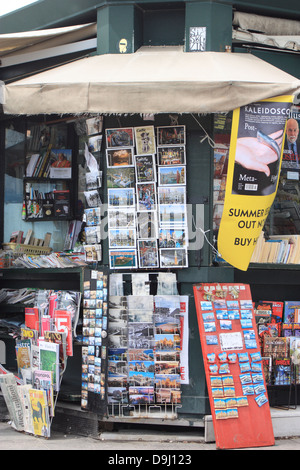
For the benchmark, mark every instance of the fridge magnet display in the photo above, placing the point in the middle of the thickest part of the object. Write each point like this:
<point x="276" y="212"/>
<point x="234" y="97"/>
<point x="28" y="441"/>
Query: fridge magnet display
<point x="121" y="197"/>
<point x="145" y="168"/>
<point x="119" y="137"/>
<point x="171" y="135"/>
<point x="171" y="155"/>
<point x="171" y="175"/>
<point x="145" y="140"/>
<point x="122" y="259"/>
<point x="227" y="347"/>
<point x="119" y="157"/>
<point x="120" y="177"/>
<point x="146" y="196"/>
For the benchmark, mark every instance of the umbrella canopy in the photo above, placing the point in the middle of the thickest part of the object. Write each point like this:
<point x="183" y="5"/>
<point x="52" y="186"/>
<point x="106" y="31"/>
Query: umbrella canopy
<point x="151" y="80"/>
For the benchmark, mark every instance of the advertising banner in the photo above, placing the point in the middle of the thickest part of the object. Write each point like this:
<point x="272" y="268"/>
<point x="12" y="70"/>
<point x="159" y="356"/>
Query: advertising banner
<point x="256" y="146"/>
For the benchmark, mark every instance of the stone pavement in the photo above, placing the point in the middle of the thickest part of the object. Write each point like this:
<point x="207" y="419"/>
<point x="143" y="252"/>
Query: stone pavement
<point x="150" y="447"/>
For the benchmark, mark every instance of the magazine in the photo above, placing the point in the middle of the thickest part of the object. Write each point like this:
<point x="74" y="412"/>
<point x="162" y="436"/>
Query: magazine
<point x="23" y="354"/>
<point x="63" y="324"/>
<point x="43" y="380"/>
<point x="40" y="412"/>
<point x="58" y="338"/>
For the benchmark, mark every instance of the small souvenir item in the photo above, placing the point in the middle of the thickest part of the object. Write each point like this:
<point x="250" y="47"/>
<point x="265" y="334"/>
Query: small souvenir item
<point x="222" y="357"/>
<point x="211" y="358"/>
<point x="232" y="357"/>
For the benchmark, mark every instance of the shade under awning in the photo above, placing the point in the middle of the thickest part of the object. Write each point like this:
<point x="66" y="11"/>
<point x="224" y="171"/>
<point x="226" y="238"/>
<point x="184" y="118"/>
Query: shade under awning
<point x="151" y="80"/>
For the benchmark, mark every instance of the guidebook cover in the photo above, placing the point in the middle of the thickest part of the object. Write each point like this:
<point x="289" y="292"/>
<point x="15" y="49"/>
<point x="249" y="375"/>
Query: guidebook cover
<point x="49" y="360"/>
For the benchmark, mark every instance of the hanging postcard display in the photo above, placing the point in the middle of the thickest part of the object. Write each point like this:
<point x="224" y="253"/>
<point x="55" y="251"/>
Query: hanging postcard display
<point x="92" y="213"/>
<point x="146" y="181"/>
<point x="233" y="366"/>
<point x="94" y="349"/>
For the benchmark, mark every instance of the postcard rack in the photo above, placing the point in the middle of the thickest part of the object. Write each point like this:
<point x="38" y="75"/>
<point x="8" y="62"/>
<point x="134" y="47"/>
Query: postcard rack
<point x="282" y="374"/>
<point x="144" y="347"/>
<point x="166" y="411"/>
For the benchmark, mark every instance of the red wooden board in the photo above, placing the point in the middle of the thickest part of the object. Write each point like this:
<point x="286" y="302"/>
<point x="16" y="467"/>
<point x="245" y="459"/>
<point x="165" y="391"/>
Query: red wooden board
<point x="236" y="387"/>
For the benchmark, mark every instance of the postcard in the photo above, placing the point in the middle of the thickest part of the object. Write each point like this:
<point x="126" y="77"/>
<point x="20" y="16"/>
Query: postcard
<point x="92" y="198"/>
<point x="145" y="140"/>
<point x="167" y="327"/>
<point x="94" y="125"/>
<point x="167" y="381"/>
<point x="171" y="155"/>
<point x="167" y="308"/>
<point x="163" y="395"/>
<point x="167" y="355"/>
<point x="139" y="302"/>
<point x="122" y="238"/>
<point x="121" y="197"/>
<point x="93" y="180"/>
<point x="172" y="237"/>
<point x="121" y="218"/>
<point x="166" y="342"/>
<point x="171" y="135"/>
<point x="147" y="224"/>
<point x="94" y="143"/>
<point x="145" y="168"/>
<point x="175" y="258"/>
<point x="171" y="215"/>
<point x="146" y="196"/>
<point x="171" y="195"/>
<point x="120" y="137"/>
<point x="141" y="395"/>
<point x="117" y="395"/>
<point x="148" y="254"/>
<point x="171" y="175"/>
<point x="92" y="234"/>
<point x="142" y="379"/>
<point x="140" y="354"/>
<point x="120" y="177"/>
<point x="117" y="341"/>
<point x="122" y="259"/>
<point x="92" y="216"/>
<point x="141" y="366"/>
<point x="142" y="341"/>
<point x="167" y="367"/>
<point x="93" y="253"/>
<point x="119" y="157"/>
<point x="117" y="301"/>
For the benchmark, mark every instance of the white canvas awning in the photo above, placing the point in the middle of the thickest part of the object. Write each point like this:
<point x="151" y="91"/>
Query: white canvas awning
<point x="152" y="80"/>
<point x="29" y="41"/>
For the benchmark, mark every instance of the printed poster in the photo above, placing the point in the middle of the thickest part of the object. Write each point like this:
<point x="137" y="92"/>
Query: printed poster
<point x="255" y="154"/>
